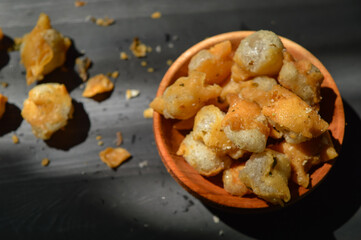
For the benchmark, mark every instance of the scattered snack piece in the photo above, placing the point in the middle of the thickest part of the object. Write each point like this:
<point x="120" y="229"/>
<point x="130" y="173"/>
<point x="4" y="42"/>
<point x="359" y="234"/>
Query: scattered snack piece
<point x="143" y="63"/>
<point x="104" y="22"/>
<point x="43" y="50"/>
<point x="113" y="157"/>
<point x="143" y="164"/>
<point x="119" y="138"/>
<point x="115" y="74"/>
<point x="3" y="101"/>
<point x="78" y="3"/>
<point x="45" y="162"/>
<point x="98" y="137"/>
<point x="138" y="49"/>
<point x="215" y="219"/>
<point x="148" y="113"/>
<point x="4" y="84"/>
<point x="150" y="69"/>
<point x="156" y="15"/>
<point x="100" y="143"/>
<point x="15" y="139"/>
<point x="96" y="85"/>
<point x="82" y="66"/>
<point x="16" y="45"/>
<point x="169" y="62"/>
<point x="124" y="56"/>
<point x="47" y="109"/>
<point x="131" y="93"/>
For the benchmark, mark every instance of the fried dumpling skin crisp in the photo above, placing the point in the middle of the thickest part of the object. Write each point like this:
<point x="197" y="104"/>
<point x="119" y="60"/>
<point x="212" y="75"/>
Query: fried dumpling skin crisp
<point x="96" y="85"/>
<point x="267" y="174"/>
<point x="43" y="50"/>
<point x="245" y="126"/>
<point x="302" y="78"/>
<point x="3" y="101"/>
<point x="289" y="114"/>
<point x="261" y="53"/>
<point x="185" y="96"/>
<point x="215" y="62"/>
<point x="232" y="183"/>
<point x="47" y="109"/>
<point x="205" y="160"/>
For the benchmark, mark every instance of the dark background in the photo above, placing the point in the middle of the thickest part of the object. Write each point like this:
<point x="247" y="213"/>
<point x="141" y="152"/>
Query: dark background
<point x="79" y="197"/>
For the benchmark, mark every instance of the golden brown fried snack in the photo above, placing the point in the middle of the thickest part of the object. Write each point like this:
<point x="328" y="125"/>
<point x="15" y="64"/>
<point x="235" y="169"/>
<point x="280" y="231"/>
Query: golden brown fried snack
<point x="113" y="157"/>
<point x="232" y="183"/>
<point x="202" y="158"/>
<point x="185" y="97"/>
<point x="290" y="115"/>
<point x="267" y="174"/>
<point x="305" y="155"/>
<point x="43" y="50"/>
<point x="3" y="101"/>
<point x="245" y="126"/>
<point x="96" y="85"/>
<point x="261" y="53"/>
<point x="47" y="109"/>
<point x="215" y="63"/>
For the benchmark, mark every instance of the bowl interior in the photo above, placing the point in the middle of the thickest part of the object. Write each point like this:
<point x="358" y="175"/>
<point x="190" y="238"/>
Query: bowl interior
<point x="210" y="190"/>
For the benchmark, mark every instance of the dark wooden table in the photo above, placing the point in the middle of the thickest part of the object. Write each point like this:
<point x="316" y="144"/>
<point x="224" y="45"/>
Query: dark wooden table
<point x="79" y="197"/>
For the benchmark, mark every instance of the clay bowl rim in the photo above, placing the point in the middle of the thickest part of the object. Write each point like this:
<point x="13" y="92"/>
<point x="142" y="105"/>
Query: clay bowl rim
<point x="201" y="187"/>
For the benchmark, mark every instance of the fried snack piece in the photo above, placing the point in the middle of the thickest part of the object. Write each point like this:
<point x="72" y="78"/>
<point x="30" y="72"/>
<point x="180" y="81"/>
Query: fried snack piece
<point x="185" y="97"/>
<point x="302" y="78"/>
<point x="43" y="50"/>
<point x="261" y="53"/>
<point x="290" y="115"/>
<point x="239" y="74"/>
<point x="267" y="174"/>
<point x="3" y="101"/>
<point x="232" y="183"/>
<point x="215" y="63"/>
<point x="245" y="126"/>
<point x="47" y="109"/>
<point x="96" y="85"/>
<point x="82" y="66"/>
<point x="305" y="155"/>
<point x="113" y="157"/>
<point x="202" y="158"/>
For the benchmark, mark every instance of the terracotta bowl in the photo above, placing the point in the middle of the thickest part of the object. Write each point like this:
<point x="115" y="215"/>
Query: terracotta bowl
<point x="210" y="190"/>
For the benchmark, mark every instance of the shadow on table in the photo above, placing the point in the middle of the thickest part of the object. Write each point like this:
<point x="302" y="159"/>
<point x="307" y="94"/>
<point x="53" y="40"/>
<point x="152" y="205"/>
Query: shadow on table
<point x="324" y="210"/>
<point x="11" y="119"/>
<point x="5" y="44"/>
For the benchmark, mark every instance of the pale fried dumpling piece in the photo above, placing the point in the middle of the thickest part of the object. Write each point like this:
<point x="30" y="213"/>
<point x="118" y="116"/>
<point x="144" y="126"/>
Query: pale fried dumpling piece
<point x="232" y="183"/>
<point x="245" y="126"/>
<point x="307" y="154"/>
<point x="214" y="62"/>
<point x="3" y="101"/>
<point x="43" y="50"/>
<point x="267" y="174"/>
<point x="97" y="84"/>
<point x="261" y="53"/>
<point x="293" y="117"/>
<point x="185" y="97"/>
<point x="47" y="109"/>
<point x="302" y="78"/>
<point x="202" y="158"/>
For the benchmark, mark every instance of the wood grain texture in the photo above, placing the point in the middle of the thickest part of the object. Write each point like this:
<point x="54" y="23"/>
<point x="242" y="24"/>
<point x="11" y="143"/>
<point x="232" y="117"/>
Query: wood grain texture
<point x="77" y="196"/>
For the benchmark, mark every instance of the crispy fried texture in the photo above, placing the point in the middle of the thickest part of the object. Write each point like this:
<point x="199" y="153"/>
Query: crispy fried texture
<point x="202" y="158"/>
<point x="47" y="109"/>
<point x="267" y="174"/>
<point x="185" y="97"/>
<point x="113" y="157"/>
<point x="96" y="85"/>
<point x="43" y="50"/>
<point x="3" y="101"/>
<point x="232" y="183"/>
<point x="215" y="63"/>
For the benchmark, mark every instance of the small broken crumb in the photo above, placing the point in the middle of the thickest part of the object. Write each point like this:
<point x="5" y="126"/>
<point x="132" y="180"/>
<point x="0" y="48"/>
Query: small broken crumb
<point x="104" y="22"/>
<point x="45" y="162"/>
<point x="220" y="233"/>
<point x="119" y="138"/>
<point x="149" y="49"/>
<point x="98" y="137"/>
<point x="143" y="164"/>
<point x="215" y="219"/>
<point x="113" y="157"/>
<point x="97" y="84"/>
<point x="4" y="84"/>
<point x="169" y="62"/>
<point x="15" y="139"/>
<point x="78" y="3"/>
<point x="148" y="113"/>
<point x="150" y="69"/>
<point x="115" y="74"/>
<point x="131" y="93"/>
<point x="82" y="66"/>
<point x="138" y="49"/>
<point x="143" y="63"/>
<point x="100" y="143"/>
<point x="170" y="45"/>
<point x="156" y="15"/>
<point x="124" y="56"/>
<point x="158" y="49"/>
<point x="16" y="45"/>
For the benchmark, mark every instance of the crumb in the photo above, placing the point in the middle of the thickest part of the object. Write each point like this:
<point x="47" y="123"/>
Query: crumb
<point x="82" y="66"/>
<point x="97" y="84"/>
<point x="158" y="49"/>
<point x="15" y="139"/>
<point x="150" y="69"/>
<point x="148" y="113"/>
<point x="149" y="49"/>
<point x="78" y="3"/>
<point x="4" y="84"/>
<point x="45" y="162"/>
<point x="131" y="93"/>
<point x="143" y="164"/>
<point x="143" y="63"/>
<point x="163" y="198"/>
<point x="16" y="45"/>
<point x="98" y="137"/>
<point x="220" y="233"/>
<point x="115" y="74"/>
<point x="100" y="143"/>
<point x="124" y="56"/>
<point x="138" y="49"/>
<point x="170" y="45"/>
<point x="90" y="19"/>
<point x="169" y="62"/>
<point x="215" y="219"/>
<point x="113" y="157"/>
<point x="119" y="138"/>
<point x="156" y="15"/>
<point x="104" y="22"/>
